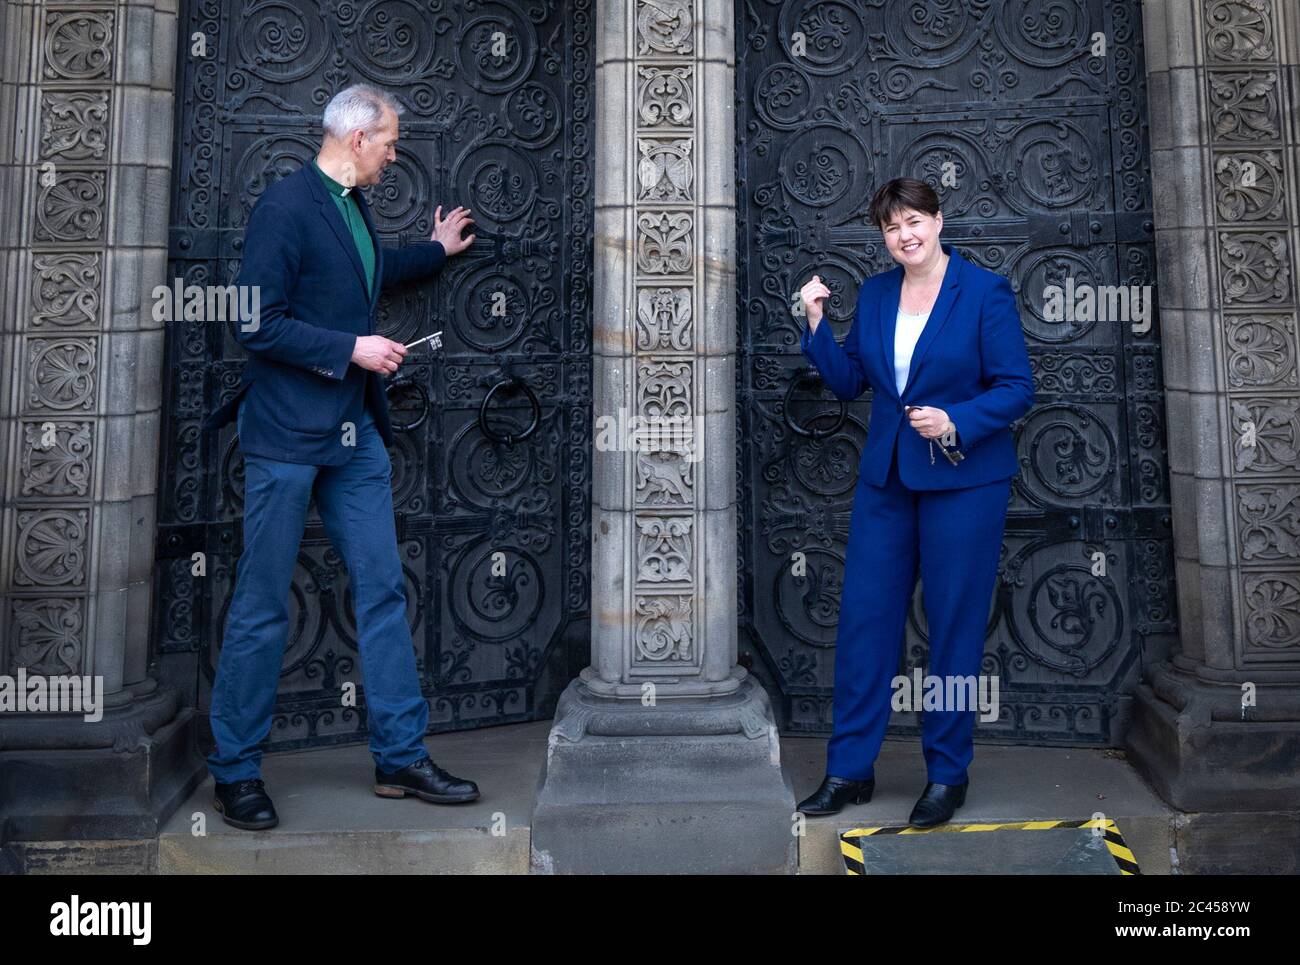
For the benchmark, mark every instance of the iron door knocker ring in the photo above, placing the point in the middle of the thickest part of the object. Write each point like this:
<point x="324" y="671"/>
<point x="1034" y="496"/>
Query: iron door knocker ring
<point x="512" y="382"/>
<point x="802" y="376"/>
<point x="407" y="383"/>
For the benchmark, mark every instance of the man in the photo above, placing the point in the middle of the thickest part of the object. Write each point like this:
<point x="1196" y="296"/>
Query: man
<point x="313" y="420"/>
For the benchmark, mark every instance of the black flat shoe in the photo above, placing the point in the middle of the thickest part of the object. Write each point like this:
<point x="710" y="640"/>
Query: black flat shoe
<point x="835" y="792"/>
<point x="427" y="781"/>
<point x="246" y="805"/>
<point x="936" y="804"/>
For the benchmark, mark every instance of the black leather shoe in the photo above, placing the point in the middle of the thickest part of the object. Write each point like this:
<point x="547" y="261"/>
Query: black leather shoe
<point x="936" y="804"/>
<point x="245" y="804"/>
<point x="835" y="792"/>
<point x="427" y="781"/>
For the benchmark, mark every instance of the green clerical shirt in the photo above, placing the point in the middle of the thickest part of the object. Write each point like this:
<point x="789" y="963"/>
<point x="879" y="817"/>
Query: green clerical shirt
<point x="350" y="211"/>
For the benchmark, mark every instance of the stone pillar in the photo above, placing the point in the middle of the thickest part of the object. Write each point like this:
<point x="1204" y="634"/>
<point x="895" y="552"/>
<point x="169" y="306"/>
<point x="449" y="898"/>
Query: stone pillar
<point x="1225" y="138"/>
<point x="86" y="142"/>
<point x="664" y="755"/>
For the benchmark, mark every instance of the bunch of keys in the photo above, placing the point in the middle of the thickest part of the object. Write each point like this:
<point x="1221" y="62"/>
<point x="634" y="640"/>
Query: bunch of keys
<point x="953" y="455"/>
<point x="436" y="339"/>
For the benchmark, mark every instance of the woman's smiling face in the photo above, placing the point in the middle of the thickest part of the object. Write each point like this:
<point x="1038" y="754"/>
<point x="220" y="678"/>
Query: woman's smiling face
<point x="912" y="236"/>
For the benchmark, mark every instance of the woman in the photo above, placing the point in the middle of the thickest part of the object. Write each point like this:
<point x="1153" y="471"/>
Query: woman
<point x="939" y="341"/>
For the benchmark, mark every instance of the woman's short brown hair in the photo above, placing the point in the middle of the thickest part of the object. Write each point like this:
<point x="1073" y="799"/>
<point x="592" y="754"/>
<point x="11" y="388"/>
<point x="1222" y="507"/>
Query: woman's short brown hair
<point x="901" y="194"/>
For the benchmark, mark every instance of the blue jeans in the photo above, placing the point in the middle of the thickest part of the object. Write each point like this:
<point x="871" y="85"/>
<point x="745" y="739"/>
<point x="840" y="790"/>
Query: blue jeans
<point x="356" y="505"/>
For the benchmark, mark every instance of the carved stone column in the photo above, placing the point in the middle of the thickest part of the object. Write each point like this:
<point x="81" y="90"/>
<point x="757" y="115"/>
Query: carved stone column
<point x="1217" y="727"/>
<point x="664" y="755"/>
<point x="85" y="131"/>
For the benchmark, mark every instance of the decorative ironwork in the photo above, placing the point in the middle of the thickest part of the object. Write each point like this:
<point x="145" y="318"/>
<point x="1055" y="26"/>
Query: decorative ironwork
<point x="502" y="129"/>
<point x="1037" y="148"/>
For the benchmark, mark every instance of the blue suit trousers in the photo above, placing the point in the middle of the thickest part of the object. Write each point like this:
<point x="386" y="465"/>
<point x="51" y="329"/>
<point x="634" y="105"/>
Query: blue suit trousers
<point x="355" y="501"/>
<point x="952" y="539"/>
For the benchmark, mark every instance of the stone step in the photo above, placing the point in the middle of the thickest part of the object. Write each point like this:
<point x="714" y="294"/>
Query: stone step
<point x="1008" y="785"/>
<point x="1094" y="847"/>
<point x="331" y="822"/>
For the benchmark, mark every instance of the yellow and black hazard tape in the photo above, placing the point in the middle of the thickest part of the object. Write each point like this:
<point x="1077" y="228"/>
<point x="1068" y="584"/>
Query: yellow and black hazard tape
<point x="1109" y="830"/>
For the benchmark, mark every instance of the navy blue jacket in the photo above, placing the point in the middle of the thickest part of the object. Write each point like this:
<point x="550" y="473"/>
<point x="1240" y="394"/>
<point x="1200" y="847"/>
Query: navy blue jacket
<point x="299" y="384"/>
<point x="970" y="361"/>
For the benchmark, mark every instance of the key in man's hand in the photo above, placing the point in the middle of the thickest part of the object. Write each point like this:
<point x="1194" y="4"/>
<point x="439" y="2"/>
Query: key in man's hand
<point x="434" y="340"/>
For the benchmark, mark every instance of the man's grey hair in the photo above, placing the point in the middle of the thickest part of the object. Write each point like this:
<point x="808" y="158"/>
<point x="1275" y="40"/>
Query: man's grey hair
<point x="359" y="107"/>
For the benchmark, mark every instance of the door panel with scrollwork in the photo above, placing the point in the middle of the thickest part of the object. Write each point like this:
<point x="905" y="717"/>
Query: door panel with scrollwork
<point x="491" y="462"/>
<point x="1028" y="117"/>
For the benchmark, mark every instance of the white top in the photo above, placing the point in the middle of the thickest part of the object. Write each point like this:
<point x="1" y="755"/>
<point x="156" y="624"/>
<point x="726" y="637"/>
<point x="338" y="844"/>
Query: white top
<point x="906" y="333"/>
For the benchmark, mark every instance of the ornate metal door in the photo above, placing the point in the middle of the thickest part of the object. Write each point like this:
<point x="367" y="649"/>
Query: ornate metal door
<point x="491" y="467"/>
<point x="1028" y="117"/>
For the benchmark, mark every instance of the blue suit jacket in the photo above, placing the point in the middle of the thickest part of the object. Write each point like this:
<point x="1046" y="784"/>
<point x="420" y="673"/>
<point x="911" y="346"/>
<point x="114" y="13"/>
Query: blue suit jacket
<point x="970" y="361"/>
<point x="299" y="384"/>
